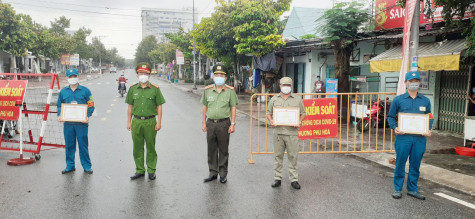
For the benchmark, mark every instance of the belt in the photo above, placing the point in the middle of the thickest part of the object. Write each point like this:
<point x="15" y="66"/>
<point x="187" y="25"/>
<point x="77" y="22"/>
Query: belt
<point x="218" y="120"/>
<point x="143" y="117"/>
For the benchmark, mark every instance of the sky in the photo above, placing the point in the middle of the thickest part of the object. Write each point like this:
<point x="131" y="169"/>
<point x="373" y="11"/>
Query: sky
<point x="118" y="22"/>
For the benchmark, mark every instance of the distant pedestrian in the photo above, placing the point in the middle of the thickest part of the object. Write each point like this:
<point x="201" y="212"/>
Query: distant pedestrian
<point x="219" y="119"/>
<point x="76" y="94"/>
<point x="409" y="145"/>
<point x="286" y="137"/>
<point x="145" y="105"/>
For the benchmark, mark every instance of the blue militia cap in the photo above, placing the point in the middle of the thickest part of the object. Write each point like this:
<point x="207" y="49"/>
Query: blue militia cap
<point x="71" y="71"/>
<point x="412" y="75"/>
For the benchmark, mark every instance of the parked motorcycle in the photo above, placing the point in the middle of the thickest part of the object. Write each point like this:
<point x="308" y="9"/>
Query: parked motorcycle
<point x="10" y="128"/>
<point x="378" y="113"/>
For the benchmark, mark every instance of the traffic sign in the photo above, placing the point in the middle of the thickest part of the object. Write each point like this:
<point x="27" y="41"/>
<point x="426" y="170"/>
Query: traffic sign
<point x="171" y="65"/>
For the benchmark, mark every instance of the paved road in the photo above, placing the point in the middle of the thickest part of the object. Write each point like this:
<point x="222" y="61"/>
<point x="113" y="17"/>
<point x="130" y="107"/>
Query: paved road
<point x="333" y="186"/>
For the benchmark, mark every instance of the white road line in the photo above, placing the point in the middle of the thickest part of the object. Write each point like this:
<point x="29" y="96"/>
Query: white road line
<point x="107" y="82"/>
<point x="103" y="119"/>
<point x="99" y="83"/>
<point x="114" y="100"/>
<point x="462" y="202"/>
<point x="112" y="104"/>
<point x="108" y="111"/>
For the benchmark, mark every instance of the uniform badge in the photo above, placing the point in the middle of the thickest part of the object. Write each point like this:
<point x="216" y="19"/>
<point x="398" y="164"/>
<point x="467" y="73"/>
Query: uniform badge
<point x="413" y="74"/>
<point x="136" y="94"/>
<point x="422" y="108"/>
<point x="218" y="68"/>
<point x="144" y="66"/>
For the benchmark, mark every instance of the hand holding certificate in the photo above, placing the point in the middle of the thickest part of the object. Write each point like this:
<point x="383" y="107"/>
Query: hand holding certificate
<point x="410" y="123"/>
<point x="74" y="113"/>
<point x="288" y="116"/>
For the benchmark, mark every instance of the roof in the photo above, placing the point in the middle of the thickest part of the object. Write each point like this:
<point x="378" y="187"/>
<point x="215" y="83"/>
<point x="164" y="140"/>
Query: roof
<point x="302" y="21"/>
<point x="448" y="47"/>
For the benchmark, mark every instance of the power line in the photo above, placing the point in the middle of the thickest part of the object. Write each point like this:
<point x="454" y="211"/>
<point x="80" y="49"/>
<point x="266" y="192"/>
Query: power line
<point x="70" y="4"/>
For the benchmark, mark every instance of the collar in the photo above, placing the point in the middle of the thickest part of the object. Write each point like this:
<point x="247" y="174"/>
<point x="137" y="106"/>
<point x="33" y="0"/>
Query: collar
<point x="148" y="85"/>
<point x="78" y="88"/>
<point x="291" y="95"/>
<point x="406" y="95"/>
<point x="214" y="87"/>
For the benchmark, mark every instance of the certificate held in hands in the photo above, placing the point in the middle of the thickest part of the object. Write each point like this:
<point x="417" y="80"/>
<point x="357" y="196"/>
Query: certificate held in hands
<point x="286" y="116"/>
<point x="74" y="112"/>
<point x="411" y="123"/>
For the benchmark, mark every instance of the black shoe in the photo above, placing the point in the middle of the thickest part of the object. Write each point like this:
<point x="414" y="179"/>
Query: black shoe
<point x="68" y="170"/>
<point x="88" y="171"/>
<point x="276" y="183"/>
<point x="210" y="178"/>
<point x="223" y="180"/>
<point x="136" y="176"/>
<point x="295" y="185"/>
<point x="152" y="176"/>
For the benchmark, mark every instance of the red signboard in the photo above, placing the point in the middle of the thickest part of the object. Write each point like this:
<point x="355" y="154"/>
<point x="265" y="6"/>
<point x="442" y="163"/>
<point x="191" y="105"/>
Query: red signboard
<point x="65" y="59"/>
<point x="11" y="93"/>
<point x="389" y="15"/>
<point x="321" y="120"/>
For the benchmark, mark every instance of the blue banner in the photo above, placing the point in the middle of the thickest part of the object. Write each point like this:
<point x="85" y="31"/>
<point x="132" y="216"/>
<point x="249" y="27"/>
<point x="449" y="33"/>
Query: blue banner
<point x="331" y="86"/>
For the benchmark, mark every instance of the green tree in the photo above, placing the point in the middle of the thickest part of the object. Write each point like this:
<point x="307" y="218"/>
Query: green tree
<point x="341" y="26"/>
<point x="16" y="34"/>
<point x="81" y="46"/>
<point x="183" y="41"/>
<point x="145" y="46"/>
<point x="58" y="26"/>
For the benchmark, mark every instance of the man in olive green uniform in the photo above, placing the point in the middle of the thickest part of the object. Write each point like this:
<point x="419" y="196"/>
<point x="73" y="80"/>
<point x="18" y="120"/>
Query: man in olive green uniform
<point x="219" y="104"/>
<point x="285" y="137"/>
<point x="145" y="104"/>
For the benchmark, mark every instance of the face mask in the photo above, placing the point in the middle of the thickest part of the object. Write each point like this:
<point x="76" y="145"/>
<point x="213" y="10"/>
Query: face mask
<point x="72" y="81"/>
<point x="286" y="90"/>
<point x="413" y="86"/>
<point x="218" y="81"/>
<point x="143" y="78"/>
<point x="473" y="90"/>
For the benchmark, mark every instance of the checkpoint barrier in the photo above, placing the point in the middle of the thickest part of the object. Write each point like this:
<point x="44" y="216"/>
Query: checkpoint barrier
<point x="355" y="134"/>
<point x="39" y="127"/>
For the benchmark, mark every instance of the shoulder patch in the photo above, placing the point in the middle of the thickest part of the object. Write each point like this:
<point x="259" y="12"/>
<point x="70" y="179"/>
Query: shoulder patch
<point x="155" y="85"/>
<point x="208" y="87"/>
<point x="227" y="86"/>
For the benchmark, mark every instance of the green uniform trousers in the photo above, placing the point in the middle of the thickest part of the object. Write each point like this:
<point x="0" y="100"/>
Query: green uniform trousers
<point x="291" y="144"/>
<point x="144" y="130"/>
<point x="217" y="137"/>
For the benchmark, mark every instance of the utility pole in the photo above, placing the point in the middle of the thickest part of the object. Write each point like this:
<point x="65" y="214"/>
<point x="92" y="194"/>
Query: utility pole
<point x="414" y="39"/>
<point x="100" y="58"/>
<point x="194" y="51"/>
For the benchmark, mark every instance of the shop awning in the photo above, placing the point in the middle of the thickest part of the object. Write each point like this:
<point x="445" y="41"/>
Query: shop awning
<point x="432" y="57"/>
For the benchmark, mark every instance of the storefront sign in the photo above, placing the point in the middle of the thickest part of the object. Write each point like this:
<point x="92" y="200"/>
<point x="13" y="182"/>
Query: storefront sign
<point x="389" y="15"/>
<point x="65" y="59"/>
<point x="321" y="120"/>
<point x="331" y="87"/>
<point x="11" y="92"/>
<point x="74" y="60"/>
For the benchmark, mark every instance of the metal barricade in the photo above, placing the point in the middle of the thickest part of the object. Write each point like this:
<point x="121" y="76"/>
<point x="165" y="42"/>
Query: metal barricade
<point x="359" y="129"/>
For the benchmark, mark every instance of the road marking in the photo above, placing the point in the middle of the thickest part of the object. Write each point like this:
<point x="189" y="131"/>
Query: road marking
<point x="103" y="119"/>
<point x="114" y="100"/>
<point x="99" y="83"/>
<point x="462" y="202"/>
<point x="112" y="104"/>
<point x="107" y="82"/>
<point x="108" y="111"/>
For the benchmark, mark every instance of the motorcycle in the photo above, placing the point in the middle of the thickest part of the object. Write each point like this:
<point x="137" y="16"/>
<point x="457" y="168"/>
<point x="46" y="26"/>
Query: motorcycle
<point x="10" y="128"/>
<point x="122" y="88"/>
<point x="378" y="113"/>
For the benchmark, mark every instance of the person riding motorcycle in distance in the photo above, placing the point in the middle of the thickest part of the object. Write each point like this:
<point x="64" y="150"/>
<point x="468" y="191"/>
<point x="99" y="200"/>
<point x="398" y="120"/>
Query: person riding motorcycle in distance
<point x="122" y="79"/>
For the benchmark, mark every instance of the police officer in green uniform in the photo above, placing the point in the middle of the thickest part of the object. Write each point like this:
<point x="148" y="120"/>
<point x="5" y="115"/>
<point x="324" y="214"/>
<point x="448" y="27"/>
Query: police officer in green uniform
<point x="285" y="137"/>
<point x="219" y="106"/>
<point x="145" y="104"/>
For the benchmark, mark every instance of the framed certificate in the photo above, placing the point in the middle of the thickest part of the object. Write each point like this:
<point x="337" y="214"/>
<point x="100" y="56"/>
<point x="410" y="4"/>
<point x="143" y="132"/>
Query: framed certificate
<point x="288" y="116"/>
<point x="412" y="123"/>
<point x="73" y="112"/>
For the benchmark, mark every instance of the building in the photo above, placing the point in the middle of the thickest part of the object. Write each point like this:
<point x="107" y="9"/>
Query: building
<point x="158" y="22"/>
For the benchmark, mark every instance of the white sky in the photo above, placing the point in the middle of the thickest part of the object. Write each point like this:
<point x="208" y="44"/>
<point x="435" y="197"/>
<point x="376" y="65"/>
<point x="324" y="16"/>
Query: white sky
<point x="123" y="31"/>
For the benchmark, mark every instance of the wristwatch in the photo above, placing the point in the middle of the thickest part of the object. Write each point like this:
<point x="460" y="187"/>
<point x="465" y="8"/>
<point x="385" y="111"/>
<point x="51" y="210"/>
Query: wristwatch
<point x="233" y="123"/>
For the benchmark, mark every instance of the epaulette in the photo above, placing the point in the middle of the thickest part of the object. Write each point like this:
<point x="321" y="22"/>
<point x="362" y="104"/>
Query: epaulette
<point x="155" y="85"/>
<point x="133" y="85"/>
<point x="227" y="86"/>
<point x="208" y="87"/>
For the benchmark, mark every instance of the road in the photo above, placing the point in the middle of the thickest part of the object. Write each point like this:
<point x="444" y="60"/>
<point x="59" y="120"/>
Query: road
<point x="333" y="186"/>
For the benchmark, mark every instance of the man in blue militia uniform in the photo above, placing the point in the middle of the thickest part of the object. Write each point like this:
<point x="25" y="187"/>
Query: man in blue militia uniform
<point x="409" y="145"/>
<point x="76" y="94"/>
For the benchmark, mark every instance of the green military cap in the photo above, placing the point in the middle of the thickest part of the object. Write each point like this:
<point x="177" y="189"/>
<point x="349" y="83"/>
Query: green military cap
<point x="219" y="69"/>
<point x="143" y="67"/>
<point x="286" y="80"/>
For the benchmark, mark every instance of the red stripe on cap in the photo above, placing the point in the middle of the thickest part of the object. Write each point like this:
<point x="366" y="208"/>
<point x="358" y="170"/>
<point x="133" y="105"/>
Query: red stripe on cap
<point x="143" y="69"/>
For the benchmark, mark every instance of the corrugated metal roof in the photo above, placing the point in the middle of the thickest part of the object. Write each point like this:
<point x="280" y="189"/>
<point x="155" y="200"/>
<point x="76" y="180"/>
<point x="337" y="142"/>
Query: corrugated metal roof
<point x="302" y="21"/>
<point x="449" y="47"/>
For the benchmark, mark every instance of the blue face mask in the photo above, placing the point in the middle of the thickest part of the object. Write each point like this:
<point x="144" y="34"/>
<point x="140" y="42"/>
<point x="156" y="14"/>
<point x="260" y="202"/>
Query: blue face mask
<point x="473" y="90"/>
<point x="218" y="81"/>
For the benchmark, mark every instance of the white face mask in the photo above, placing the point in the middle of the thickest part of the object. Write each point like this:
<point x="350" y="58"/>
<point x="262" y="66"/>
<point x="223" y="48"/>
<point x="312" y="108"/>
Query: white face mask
<point x="413" y="86"/>
<point x="143" y="78"/>
<point x="72" y="81"/>
<point x="286" y="90"/>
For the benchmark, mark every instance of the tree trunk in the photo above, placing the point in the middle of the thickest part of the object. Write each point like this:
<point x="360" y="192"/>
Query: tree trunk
<point x="342" y="67"/>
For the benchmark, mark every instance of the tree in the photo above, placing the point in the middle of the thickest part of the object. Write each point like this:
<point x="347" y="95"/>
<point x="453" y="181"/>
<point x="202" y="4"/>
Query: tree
<point x="81" y="46"/>
<point x="144" y="47"/>
<point x="183" y="41"/>
<point x="256" y="25"/>
<point x="58" y="26"/>
<point x="16" y="34"/>
<point x="340" y="29"/>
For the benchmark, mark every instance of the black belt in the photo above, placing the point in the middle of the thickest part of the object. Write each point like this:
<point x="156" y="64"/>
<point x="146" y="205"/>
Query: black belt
<point x="143" y="117"/>
<point x="218" y="120"/>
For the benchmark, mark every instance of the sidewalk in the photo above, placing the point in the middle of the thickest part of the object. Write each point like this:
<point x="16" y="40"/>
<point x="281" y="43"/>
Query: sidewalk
<point x="440" y="163"/>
